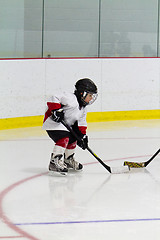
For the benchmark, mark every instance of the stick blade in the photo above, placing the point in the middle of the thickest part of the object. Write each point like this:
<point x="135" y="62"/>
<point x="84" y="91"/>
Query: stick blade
<point x="134" y="164"/>
<point x="118" y="170"/>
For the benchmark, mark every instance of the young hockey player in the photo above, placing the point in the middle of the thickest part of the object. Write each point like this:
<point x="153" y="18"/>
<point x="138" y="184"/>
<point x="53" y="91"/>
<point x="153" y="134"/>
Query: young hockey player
<point x="70" y="107"/>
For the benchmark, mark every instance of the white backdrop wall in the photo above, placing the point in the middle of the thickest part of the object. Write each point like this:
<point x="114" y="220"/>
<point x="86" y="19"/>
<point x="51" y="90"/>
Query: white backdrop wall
<point x="123" y="84"/>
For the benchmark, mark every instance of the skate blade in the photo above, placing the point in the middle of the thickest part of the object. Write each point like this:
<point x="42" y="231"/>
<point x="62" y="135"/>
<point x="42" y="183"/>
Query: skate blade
<point x="55" y="173"/>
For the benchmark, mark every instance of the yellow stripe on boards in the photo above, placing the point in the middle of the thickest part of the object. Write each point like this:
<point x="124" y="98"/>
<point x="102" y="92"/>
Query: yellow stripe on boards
<point x="33" y="121"/>
<point x="123" y="115"/>
<point x="21" y="122"/>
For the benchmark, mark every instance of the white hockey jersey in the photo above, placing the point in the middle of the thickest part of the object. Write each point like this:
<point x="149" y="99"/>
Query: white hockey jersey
<point x="72" y="112"/>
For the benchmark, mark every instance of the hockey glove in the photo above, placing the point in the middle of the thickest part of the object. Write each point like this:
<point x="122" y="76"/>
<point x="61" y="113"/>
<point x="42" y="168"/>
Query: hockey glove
<point x="83" y="143"/>
<point x="57" y="115"/>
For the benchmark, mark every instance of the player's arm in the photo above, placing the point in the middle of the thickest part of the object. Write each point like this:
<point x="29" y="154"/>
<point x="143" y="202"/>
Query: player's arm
<point x="55" y="111"/>
<point x="81" y="132"/>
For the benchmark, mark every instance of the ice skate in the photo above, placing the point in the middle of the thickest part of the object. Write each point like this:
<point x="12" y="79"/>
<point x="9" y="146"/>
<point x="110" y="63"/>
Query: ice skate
<point x="70" y="161"/>
<point x="57" y="161"/>
<point x="56" y="164"/>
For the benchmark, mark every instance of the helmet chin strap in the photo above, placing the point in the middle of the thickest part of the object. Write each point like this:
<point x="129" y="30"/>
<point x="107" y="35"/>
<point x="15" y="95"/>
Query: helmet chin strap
<point x="84" y="97"/>
<point x="79" y="96"/>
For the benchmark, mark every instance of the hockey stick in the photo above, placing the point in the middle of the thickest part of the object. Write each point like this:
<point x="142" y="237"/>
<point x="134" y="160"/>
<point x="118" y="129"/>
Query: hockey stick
<point x="140" y="164"/>
<point x="122" y="169"/>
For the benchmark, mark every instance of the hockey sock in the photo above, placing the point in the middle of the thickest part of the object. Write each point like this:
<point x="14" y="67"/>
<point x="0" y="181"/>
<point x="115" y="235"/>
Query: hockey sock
<point x="63" y="142"/>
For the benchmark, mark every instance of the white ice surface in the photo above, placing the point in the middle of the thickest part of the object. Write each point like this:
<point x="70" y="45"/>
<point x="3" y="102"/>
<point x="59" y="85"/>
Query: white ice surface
<point x="89" y="205"/>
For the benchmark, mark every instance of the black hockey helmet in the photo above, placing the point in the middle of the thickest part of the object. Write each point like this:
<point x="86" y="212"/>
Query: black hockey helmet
<point x="84" y="87"/>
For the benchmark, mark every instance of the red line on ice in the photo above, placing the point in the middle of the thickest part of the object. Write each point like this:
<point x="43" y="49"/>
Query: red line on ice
<point x="8" y="222"/>
<point x="5" y="219"/>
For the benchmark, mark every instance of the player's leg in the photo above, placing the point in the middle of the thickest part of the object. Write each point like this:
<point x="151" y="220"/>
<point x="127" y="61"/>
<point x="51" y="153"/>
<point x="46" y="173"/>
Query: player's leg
<point x="57" y="156"/>
<point x="69" y="158"/>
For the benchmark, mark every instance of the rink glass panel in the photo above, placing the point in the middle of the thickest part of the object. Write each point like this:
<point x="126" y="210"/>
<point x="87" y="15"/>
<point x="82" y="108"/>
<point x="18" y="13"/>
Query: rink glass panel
<point x="129" y="28"/>
<point x="20" y="28"/>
